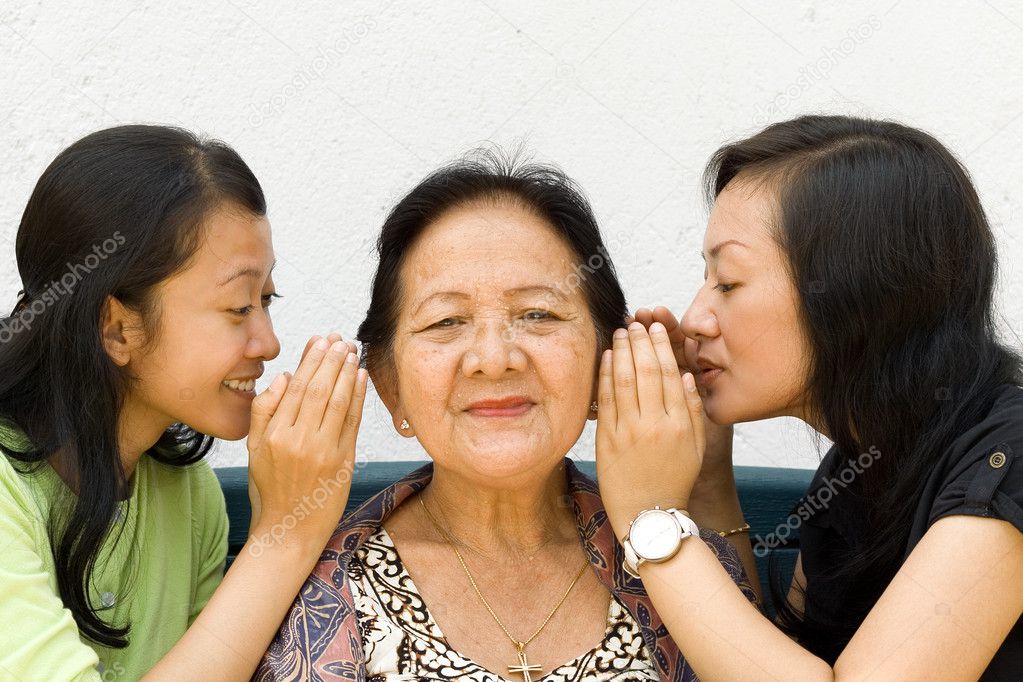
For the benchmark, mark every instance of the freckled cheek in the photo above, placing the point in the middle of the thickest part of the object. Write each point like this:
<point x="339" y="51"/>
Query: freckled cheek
<point x="567" y="367"/>
<point x="426" y="379"/>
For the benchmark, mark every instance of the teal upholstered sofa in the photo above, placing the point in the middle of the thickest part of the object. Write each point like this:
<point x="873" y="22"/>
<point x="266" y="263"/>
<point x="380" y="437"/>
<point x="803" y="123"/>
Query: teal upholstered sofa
<point x="767" y="494"/>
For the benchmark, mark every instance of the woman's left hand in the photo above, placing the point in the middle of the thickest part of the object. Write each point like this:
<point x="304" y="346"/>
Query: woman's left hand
<point x="650" y="429"/>
<point x="717" y="460"/>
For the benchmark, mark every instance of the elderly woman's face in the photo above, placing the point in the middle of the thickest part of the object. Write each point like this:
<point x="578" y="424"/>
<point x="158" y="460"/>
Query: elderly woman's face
<point x="495" y="350"/>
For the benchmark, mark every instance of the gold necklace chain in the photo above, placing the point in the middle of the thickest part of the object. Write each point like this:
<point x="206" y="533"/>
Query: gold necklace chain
<point x="520" y="645"/>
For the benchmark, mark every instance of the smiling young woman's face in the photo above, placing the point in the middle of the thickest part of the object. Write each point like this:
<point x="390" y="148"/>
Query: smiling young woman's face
<point x="214" y="331"/>
<point x="495" y="349"/>
<point x="752" y="349"/>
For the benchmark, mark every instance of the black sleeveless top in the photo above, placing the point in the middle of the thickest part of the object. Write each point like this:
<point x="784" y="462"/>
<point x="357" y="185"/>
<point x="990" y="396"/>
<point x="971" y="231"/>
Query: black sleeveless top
<point x="981" y="474"/>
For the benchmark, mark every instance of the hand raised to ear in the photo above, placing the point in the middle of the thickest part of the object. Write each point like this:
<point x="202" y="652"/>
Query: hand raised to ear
<point x="647" y="317"/>
<point x="718" y="458"/>
<point x="332" y="338"/>
<point x="650" y="428"/>
<point x="302" y="437"/>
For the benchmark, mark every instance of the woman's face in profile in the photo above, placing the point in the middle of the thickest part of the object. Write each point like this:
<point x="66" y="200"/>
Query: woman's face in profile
<point x="214" y="330"/>
<point x="752" y="350"/>
<point x="495" y="349"/>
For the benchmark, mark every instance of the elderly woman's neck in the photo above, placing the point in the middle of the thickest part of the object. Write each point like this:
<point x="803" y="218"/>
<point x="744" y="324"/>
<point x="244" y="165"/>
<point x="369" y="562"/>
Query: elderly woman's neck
<point x="510" y="516"/>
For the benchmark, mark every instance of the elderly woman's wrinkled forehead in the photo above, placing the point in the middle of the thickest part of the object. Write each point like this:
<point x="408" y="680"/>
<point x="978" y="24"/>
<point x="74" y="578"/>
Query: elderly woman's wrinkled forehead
<point x="486" y="251"/>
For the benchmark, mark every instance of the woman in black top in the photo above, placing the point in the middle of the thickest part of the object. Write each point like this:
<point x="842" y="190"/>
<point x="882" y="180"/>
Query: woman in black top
<point x="849" y="283"/>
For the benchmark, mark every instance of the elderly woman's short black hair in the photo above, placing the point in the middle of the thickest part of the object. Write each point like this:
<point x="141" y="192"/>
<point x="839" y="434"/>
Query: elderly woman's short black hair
<point x="489" y="175"/>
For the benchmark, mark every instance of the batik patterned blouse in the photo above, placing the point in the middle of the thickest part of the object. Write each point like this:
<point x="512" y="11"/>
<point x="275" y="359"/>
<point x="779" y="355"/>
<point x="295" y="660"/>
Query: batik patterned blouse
<point x="403" y="643"/>
<point x="320" y="637"/>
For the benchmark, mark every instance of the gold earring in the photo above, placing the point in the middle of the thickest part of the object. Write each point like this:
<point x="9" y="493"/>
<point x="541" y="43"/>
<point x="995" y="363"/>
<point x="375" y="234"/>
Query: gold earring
<point x="404" y="424"/>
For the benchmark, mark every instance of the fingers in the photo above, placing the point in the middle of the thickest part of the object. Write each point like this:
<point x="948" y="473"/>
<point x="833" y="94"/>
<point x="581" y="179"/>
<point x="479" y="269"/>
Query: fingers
<point x="321" y="387"/>
<point x="671" y="380"/>
<point x="353" y="419"/>
<point x="665" y="317"/>
<point x="263" y="407"/>
<point x="624" y="375"/>
<point x="315" y="351"/>
<point x="648" y="371"/>
<point x="340" y="397"/>
<point x="311" y="343"/>
<point x="287" y="412"/>
<point x="695" y="404"/>
<point x="674" y="330"/>
<point x="332" y="338"/>
<point x="647" y="316"/>
<point x="607" y="413"/>
<point x="672" y="326"/>
<point x="670" y="322"/>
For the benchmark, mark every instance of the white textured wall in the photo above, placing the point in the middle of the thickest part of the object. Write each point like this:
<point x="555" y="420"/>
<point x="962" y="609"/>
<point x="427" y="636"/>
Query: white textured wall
<point x="340" y="106"/>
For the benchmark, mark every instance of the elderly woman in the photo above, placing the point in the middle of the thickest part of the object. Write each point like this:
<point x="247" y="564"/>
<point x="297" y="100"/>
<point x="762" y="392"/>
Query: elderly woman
<point x="490" y="307"/>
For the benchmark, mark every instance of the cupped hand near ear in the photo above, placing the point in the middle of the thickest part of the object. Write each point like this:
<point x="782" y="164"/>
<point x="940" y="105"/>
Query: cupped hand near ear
<point x="302" y="441"/>
<point x="650" y="426"/>
<point x="718" y="454"/>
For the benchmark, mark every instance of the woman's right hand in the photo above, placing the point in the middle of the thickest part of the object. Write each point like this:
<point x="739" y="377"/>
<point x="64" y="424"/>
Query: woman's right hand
<point x="302" y="445"/>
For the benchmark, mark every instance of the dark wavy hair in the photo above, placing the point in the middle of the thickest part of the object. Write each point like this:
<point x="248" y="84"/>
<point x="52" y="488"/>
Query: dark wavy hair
<point x="488" y="175"/>
<point x="115" y="214"/>
<point x="895" y="266"/>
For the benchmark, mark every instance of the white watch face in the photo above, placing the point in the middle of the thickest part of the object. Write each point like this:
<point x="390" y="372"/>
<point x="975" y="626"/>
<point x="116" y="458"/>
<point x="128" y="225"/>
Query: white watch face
<point x="655" y="535"/>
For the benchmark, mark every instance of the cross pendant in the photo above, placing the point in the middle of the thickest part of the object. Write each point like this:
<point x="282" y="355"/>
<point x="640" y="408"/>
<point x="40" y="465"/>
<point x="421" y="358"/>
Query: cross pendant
<point x="524" y="668"/>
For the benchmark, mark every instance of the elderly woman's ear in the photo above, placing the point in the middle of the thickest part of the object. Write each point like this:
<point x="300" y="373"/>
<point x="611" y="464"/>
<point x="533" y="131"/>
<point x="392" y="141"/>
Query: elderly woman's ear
<point x="387" y="388"/>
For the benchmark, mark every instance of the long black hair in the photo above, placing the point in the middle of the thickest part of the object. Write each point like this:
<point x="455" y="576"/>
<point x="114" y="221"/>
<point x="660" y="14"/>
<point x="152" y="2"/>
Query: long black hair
<point x="490" y="175"/>
<point x="895" y="266"/>
<point x="115" y="214"/>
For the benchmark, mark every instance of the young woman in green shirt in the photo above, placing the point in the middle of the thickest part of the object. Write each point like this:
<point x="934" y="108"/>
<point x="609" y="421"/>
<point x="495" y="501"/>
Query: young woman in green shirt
<point x="146" y="258"/>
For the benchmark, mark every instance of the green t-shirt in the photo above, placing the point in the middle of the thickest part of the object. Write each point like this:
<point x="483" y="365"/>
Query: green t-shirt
<point x="165" y="565"/>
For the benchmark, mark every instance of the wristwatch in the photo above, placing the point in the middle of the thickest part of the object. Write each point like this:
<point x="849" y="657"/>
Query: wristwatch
<point x="655" y="536"/>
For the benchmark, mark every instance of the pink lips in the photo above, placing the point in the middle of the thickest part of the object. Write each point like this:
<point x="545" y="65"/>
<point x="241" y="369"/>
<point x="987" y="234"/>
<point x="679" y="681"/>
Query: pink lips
<point x="706" y="376"/>
<point x="504" y="407"/>
<point x="707" y="373"/>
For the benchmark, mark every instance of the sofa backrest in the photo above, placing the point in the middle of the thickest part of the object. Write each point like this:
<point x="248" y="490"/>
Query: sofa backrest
<point x="767" y="494"/>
